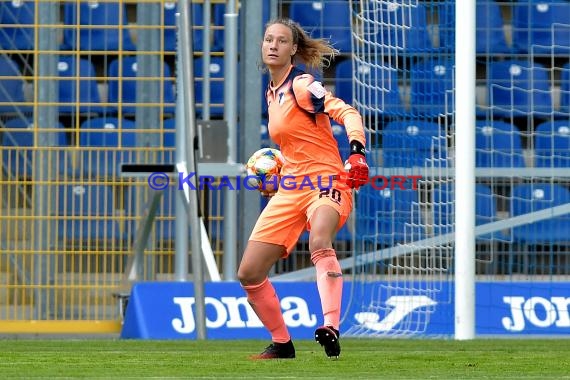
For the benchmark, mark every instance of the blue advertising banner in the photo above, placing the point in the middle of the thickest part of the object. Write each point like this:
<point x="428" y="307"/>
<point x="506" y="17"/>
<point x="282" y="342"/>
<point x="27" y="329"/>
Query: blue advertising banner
<point x="165" y="310"/>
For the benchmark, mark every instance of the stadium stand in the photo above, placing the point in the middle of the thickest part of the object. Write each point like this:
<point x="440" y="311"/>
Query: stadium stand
<point x="78" y="90"/>
<point x="101" y="137"/>
<point x="431" y="86"/>
<point x="387" y="102"/>
<point x="541" y="27"/>
<point x="11" y="88"/>
<point x="413" y="143"/>
<point x="531" y="197"/>
<point x="107" y="29"/>
<point x="18" y="143"/>
<point x="444" y="212"/>
<point x="17" y="19"/>
<point x="86" y="213"/>
<point x="387" y="217"/>
<point x="498" y="144"/>
<point x="552" y="144"/>
<point x="519" y="88"/>
<point x="325" y="19"/>
<point x="124" y="73"/>
<point x="406" y="28"/>
<point x="565" y="90"/>
<point x="170" y="39"/>
<point x="216" y="71"/>
<point x="490" y="35"/>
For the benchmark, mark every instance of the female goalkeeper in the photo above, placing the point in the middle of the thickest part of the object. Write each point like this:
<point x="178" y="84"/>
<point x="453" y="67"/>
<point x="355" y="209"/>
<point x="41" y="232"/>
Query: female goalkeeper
<point x="299" y="110"/>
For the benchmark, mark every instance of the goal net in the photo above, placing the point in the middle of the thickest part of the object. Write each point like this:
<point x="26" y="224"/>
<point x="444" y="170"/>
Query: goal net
<point x="403" y="82"/>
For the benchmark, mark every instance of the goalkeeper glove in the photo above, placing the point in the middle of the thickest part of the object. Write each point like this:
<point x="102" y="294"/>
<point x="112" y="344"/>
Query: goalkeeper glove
<point x="356" y="166"/>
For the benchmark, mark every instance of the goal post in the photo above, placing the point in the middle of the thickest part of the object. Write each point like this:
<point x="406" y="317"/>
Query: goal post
<point x="465" y="77"/>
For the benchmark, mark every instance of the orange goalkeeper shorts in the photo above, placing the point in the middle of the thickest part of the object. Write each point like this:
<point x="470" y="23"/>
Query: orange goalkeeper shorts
<point x="288" y="213"/>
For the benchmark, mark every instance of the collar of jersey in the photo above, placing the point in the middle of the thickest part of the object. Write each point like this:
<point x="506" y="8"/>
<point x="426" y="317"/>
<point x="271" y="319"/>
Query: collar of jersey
<point x="282" y="80"/>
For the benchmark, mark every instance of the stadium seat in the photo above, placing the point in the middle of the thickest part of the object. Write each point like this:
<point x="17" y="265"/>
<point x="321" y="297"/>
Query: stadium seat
<point x="526" y="198"/>
<point x="127" y="77"/>
<point x="431" y="87"/>
<point x="403" y="28"/>
<point x="264" y="85"/>
<point x="519" y="88"/>
<point x="86" y="212"/>
<point x="169" y="137"/>
<point x="388" y="217"/>
<point x="498" y="144"/>
<point x="565" y="90"/>
<point x="78" y="91"/>
<point x="444" y="210"/>
<point x="219" y="23"/>
<point x="170" y="38"/>
<point x="216" y="71"/>
<point x="325" y="19"/>
<point x="385" y="99"/>
<point x="17" y="20"/>
<point x="414" y="143"/>
<point x="542" y="27"/>
<point x="264" y="131"/>
<point x="102" y="26"/>
<point x="11" y="88"/>
<point x="339" y="133"/>
<point x="105" y="140"/>
<point x="17" y="156"/>
<point x="490" y="35"/>
<point x="552" y="144"/>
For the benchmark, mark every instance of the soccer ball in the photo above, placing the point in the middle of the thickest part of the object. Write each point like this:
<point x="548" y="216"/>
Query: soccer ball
<point x="262" y="165"/>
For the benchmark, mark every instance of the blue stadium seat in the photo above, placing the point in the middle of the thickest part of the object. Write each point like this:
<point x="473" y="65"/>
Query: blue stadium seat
<point x="170" y="38"/>
<point x="386" y="100"/>
<point x="102" y="137"/>
<point x="565" y="90"/>
<point x="519" y="88"/>
<point x="219" y="22"/>
<point x="403" y="27"/>
<point x="431" y="87"/>
<point x="86" y="212"/>
<point x="78" y="91"/>
<point x="490" y="35"/>
<point x="414" y="143"/>
<point x="526" y="198"/>
<point x="216" y="70"/>
<point x="169" y="137"/>
<point x="11" y="88"/>
<point x="388" y="217"/>
<point x="17" y="20"/>
<point x="127" y="77"/>
<point x="498" y="144"/>
<point x="552" y="144"/>
<point x="264" y="85"/>
<point x="339" y="133"/>
<point x="102" y="26"/>
<point x="264" y="131"/>
<point x="325" y="19"/>
<point x="485" y="210"/>
<point x="16" y="159"/>
<point x="542" y="27"/>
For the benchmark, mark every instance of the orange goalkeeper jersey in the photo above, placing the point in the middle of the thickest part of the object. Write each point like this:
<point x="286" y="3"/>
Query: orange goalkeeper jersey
<point x="299" y="110"/>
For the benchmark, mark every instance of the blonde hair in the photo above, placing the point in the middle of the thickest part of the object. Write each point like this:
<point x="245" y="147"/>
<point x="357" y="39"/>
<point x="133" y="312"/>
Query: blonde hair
<point x="315" y="53"/>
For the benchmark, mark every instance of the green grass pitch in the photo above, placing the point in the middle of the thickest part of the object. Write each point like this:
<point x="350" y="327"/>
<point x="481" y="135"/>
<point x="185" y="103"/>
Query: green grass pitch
<point x="215" y="359"/>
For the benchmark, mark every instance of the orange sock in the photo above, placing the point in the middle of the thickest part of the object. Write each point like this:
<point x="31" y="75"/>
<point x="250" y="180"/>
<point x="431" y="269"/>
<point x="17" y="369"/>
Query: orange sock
<point x="264" y="301"/>
<point x="329" y="284"/>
